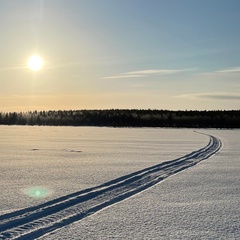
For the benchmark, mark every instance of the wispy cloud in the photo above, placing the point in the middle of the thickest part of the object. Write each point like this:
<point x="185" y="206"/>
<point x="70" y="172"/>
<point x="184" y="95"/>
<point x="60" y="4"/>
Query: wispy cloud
<point x="137" y="85"/>
<point x="229" y="70"/>
<point x="147" y="72"/>
<point x="220" y="96"/>
<point x="12" y="68"/>
<point x="215" y="95"/>
<point x="157" y="71"/>
<point x="125" y="76"/>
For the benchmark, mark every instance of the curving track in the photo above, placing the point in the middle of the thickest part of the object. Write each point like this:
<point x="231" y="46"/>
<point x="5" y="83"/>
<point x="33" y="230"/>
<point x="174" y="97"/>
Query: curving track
<point x="34" y="222"/>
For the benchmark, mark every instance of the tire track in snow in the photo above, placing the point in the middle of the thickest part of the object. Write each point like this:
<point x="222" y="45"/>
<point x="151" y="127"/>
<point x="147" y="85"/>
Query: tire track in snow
<point x="34" y="222"/>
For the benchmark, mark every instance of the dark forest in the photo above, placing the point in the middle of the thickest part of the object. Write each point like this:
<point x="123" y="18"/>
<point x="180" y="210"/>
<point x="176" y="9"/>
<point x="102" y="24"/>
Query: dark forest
<point x="125" y="118"/>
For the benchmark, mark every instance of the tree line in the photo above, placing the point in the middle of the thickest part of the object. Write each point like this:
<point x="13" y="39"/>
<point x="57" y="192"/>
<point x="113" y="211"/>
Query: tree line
<point x="125" y="118"/>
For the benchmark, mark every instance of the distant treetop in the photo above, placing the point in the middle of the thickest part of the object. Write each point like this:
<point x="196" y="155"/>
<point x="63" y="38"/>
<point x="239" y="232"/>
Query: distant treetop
<point x="125" y="118"/>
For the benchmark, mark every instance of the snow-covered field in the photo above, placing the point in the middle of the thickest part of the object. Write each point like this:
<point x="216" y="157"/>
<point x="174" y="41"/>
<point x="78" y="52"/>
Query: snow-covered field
<point x="45" y="171"/>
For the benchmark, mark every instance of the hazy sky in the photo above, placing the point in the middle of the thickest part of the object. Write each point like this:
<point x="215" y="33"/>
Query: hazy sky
<point x="99" y="54"/>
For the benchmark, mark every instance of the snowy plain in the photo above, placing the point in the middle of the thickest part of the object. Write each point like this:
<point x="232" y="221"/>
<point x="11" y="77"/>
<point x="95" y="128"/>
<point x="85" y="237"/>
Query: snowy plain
<point x="40" y="164"/>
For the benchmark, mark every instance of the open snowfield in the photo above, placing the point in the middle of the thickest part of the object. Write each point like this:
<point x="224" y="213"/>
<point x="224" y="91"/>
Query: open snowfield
<point x="45" y="171"/>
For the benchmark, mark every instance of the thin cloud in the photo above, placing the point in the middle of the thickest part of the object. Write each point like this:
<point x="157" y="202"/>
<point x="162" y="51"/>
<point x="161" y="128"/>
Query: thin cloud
<point x="156" y="71"/>
<point x="66" y="64"/>
<point x="12" y="68"/>
<point x="217" y="96"/>
<point x="147" y="72"/>
<point x="229" y="70"/>
<point x="137" y="85"/>
<point x="124" y="76"/>
<point x="220" y="96"/>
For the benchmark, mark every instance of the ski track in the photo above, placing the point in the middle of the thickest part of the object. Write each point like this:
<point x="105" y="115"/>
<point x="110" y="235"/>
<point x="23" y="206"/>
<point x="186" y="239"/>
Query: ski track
<point x="36" y="221"/>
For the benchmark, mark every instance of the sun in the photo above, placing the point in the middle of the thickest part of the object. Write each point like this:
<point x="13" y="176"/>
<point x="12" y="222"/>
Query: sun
<point x="35" y="62"/>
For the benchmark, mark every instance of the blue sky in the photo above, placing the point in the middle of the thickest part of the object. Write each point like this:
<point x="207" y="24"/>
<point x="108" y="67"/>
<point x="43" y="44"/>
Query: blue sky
<point x="99" y="54"/>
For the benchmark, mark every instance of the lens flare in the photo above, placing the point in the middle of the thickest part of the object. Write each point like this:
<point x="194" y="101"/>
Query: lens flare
<point x="37" y="192"/>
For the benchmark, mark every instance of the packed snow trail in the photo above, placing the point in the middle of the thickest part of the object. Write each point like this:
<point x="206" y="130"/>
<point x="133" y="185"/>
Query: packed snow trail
<point x="34" y="222"/>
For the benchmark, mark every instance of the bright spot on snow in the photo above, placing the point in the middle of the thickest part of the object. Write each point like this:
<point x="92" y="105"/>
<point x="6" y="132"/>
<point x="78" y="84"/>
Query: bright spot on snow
<point x="37" y="192"/>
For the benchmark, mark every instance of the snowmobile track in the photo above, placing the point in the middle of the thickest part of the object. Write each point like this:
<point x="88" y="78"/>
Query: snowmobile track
<point x="36" y="221"/>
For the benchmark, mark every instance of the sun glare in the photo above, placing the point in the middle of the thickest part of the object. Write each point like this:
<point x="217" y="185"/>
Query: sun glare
<point x="35" y="62"/>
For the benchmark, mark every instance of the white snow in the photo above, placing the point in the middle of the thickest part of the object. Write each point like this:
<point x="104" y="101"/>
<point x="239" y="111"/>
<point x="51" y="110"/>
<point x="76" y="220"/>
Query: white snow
<point x="198" y="203"/>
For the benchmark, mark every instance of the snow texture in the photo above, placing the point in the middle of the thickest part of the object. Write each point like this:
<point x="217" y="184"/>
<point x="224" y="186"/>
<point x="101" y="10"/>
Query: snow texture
<point x="60" y="217"/>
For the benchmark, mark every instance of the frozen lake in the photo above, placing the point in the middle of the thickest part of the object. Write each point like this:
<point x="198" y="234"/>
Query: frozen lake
<point x="39" y="164"/>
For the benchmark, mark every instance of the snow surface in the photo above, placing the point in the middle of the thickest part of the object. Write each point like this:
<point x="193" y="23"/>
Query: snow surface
<point x="198" y="203"/>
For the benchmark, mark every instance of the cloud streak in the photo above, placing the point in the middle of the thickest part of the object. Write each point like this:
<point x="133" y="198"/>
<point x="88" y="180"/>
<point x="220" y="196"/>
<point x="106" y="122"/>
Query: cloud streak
<point x="229" y="70"/>
<point x="12" y="68"/>
<point x="125" y="76"/>
<point x="147" y="72"/>
<point x="217" y="96"/>
<point x="156" y="71"/>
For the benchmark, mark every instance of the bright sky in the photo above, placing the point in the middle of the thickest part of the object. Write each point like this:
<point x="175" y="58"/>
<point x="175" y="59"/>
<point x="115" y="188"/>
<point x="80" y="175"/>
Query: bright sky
<point x="100" y="54"/>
